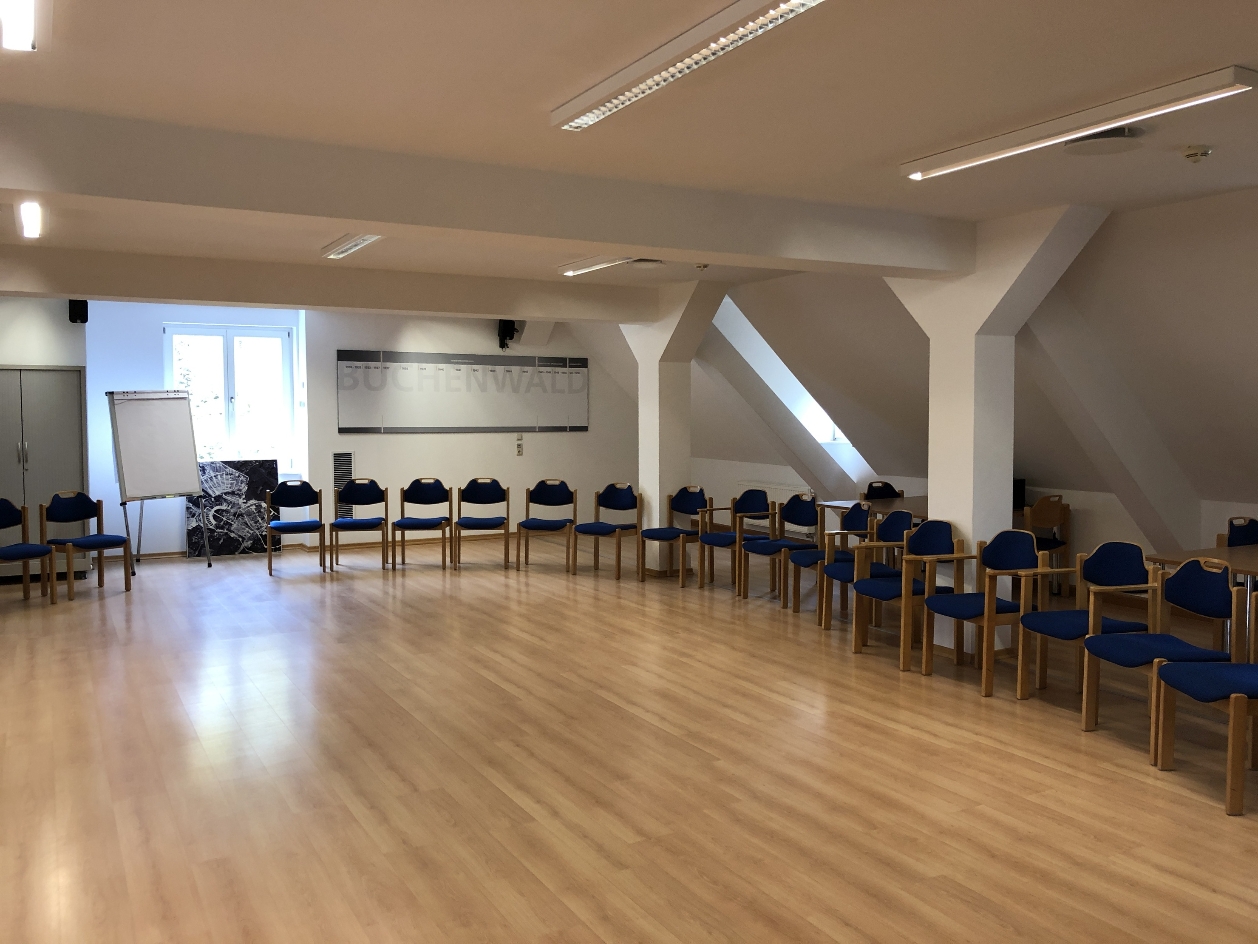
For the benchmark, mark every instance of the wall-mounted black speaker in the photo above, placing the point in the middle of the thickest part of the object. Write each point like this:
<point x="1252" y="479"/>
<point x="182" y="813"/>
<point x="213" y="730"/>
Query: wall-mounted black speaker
<point x="506" y="332"/>
<point x="78" y="311"/>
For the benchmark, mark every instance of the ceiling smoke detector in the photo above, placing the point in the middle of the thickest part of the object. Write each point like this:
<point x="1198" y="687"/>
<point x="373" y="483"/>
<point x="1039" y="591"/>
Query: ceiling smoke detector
<point x="1196" y="153"/>
<point x="1109" y="141"/>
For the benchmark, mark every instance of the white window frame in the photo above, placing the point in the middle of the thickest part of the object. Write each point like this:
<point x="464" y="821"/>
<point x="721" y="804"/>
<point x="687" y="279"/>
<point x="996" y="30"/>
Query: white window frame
<point x="229" y="333"/>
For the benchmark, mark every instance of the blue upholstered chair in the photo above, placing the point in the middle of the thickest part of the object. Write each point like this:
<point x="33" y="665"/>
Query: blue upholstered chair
<point x="887" y="542"/>
<point x="357" y="492"/>
<point x="688" y="503"/>
<point x="549" y="493"/>
<point x="1241" y="532"/>
<point x="484" y="491"/>
<point x="618" y="496"/>
<point x="925" y="548"/>
<point x="881" y="491"/>
<point x="1198" y="587"/>
<point x="1116" y="567"/>
<point x="426" y="493"/>
<point x="1049" y="520"/>
<point x="751" y="505"/>
<point x="72" y="508"/>
<point x="297" y="494"/>
<point x="855" y="522"/>
<point x="1231" y="687"/>
<point x="12" y="517"/>
<point x="1008" y="554"/>
<point x="799" y="511"/>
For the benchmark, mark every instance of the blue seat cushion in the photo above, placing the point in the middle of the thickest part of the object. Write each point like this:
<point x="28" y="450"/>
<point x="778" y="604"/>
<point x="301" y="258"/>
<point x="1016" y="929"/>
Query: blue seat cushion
<point x="667" y="534"/>
<point x="309" y="526"/>
<point x="545" y="524"/>
<point x="481" y="524"/>
<point x="21" y="552"/>
<point x="600" y="529"/>
<point x="92" y="542"/>
<point x="1073" y="624"/>
<point x="845" y="571"/>
<point x="966" y="606"/>
<point x="420" y="524"/>
<point x="1049" y="544"/>
<point x="718" y="538"/>
<point x="1211" y="681"/>
<point x="766" y="547"/>
<point x="357" y="524"/>
<point x="890" y="588"/>
<point x="1133" y="650"/>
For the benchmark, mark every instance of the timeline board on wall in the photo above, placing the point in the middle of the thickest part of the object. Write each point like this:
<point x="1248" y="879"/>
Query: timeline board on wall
<point x="404" y="392"/>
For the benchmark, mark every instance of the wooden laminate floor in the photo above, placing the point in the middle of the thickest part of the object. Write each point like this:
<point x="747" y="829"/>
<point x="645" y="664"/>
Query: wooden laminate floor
<point x="486" y="756"/>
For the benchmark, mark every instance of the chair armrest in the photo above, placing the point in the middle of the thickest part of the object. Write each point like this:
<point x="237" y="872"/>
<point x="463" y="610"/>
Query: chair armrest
<point x="872" y="544"/>
<point x="708" y="511"/>
<point x="1129" y="588"/>
<point x="760" y="515"/>
<point x="941" y="557"/>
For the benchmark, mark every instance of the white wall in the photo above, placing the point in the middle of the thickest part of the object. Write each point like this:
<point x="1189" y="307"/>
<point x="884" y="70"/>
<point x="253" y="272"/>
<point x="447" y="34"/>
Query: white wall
<point x="126" y="351"/>
<point x="36" y="332"/>
<point x="1095" y="517"/>
<point x="587" y="461"/>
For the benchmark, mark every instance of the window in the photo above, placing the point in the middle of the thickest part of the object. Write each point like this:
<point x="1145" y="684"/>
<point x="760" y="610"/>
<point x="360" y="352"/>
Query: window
<point x="241" y="383"/>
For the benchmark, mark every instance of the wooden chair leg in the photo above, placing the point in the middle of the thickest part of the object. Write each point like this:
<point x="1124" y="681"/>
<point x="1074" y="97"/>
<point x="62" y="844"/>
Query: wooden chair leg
<point x="384" y="548"/>
<point x="681" y="570"/>
<point x="403" y="540"/>
<point x="784" y="567"/>
<point x="596" y="548"/>
<point x="445" y="535"/>
<point x="989" y="659"/>
<point x="1091" y="690"/>
<point x="928" y="641"/>
<point x="519" y="536"/>
<point x="1079" y="663"/>
<point x="52" y="576"/>
<point x="703" y="566"/>
<point x="844" y="603"/>
<point x="641" y="560"/>
<point x="1253" y="742"/>
<point x="69" y="552"/>
<point x="506" y="546"/>
<point x="958" y="642"/>
<point x="1166" y="726"/>
<point x="795" y="579"/>
<point x="906" y="634"/>
<point x="126" y="566"/>
<point x="100" y="568"/>
<point x="860" y="620"/>
<point x="825" y="593"/>
<point x="1237" y="736"/>
<point x="323" y="551"/>
<point x="1155" y="692"/>
<point x="26" y="580"/>
<point x="1041" y="662"/>
<point x="618" y="534"/>
<point x="1024" y="646"/>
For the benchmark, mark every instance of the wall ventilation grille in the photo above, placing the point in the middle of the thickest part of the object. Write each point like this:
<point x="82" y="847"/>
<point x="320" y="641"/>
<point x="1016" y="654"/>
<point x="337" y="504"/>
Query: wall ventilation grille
<point x="342" y="472"/>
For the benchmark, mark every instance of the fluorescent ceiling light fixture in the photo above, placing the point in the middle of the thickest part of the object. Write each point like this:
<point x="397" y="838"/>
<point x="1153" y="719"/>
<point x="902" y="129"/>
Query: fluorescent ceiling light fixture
<point x="340" y="248"/>
<point x="17" y="24"/>
<point x="32" y="218"/>
<point x="670" y="62"/>
<point x="1161" y="101"/>
<point x="593" y="264"/>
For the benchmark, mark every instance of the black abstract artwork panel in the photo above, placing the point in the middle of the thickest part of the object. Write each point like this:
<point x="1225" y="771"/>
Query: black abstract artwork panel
<point x="235" y="492"/>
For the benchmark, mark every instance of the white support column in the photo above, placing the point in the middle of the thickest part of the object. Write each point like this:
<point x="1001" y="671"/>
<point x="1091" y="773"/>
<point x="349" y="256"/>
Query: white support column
<point x="664" y="350"/>
<point x="971" y="322"/>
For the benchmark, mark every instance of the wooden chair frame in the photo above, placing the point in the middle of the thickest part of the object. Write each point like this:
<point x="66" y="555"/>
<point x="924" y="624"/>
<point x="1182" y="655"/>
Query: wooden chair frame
<point x="890" y="551"/>
<point x="1240" y="712"/>
<point x="1095" y="594"/>
<point x="790" y="591"/>
<point x="1051" y="512"/>
<point x="1161" y="616"/>
<point x="68" y="547"/>
<point x="569" y="552"/>
<point x="680" y="540"/>
<point x="707" y="554"/>
<point x="777" y="574"/>
<point x="445" y="530"/>
<point x="269" y="534"/>
<point x="334" y="533"/>
<point x="825" y="584"/>
<point x="619" y="535"/>
<point x="47" y="576"/>
<point x="506" y="527"/>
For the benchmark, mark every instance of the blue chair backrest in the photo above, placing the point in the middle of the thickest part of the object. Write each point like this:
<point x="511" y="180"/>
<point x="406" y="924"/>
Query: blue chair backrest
<point x="878" y="490"/>
<point x="1242" y="531"/>
<point x="1116" y="564"/>
<point x="298" y="494"/>
<point x="1200" y="591"/>
<point x="754" y="501"/>
<point x="618" y="497"/>
<point x="65" y="508"/>
<point x="551" y="493"/>
<point x="687" y="502"/>
<point x="1011" y="550"/>
<point x="892" y="527"/>
<point x="800" y="511"/>
<point x="10" y="514"/>
<point x="484" y="492"/>
<point x="367" y="492"/>
<point x="855" y="518"/>
<point x="930" y="538"/>
<point x="425" y="492"/>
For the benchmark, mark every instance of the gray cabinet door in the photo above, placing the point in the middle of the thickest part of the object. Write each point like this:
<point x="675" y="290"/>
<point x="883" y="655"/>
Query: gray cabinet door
<point x="52" y="428"/>
<point x="11" y="441"/>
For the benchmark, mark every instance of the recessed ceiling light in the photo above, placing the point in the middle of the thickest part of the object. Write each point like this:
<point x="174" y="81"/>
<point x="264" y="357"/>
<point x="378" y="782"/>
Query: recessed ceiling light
<point x="1111" y="141"/>
<point x="17" y="24"/>
<point x="592" y="264"/>
<point x="1160" y="101"/>
<point x="31" y="216"/>
<point x="342" y="247"/>
<point x="646" y="75"/>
